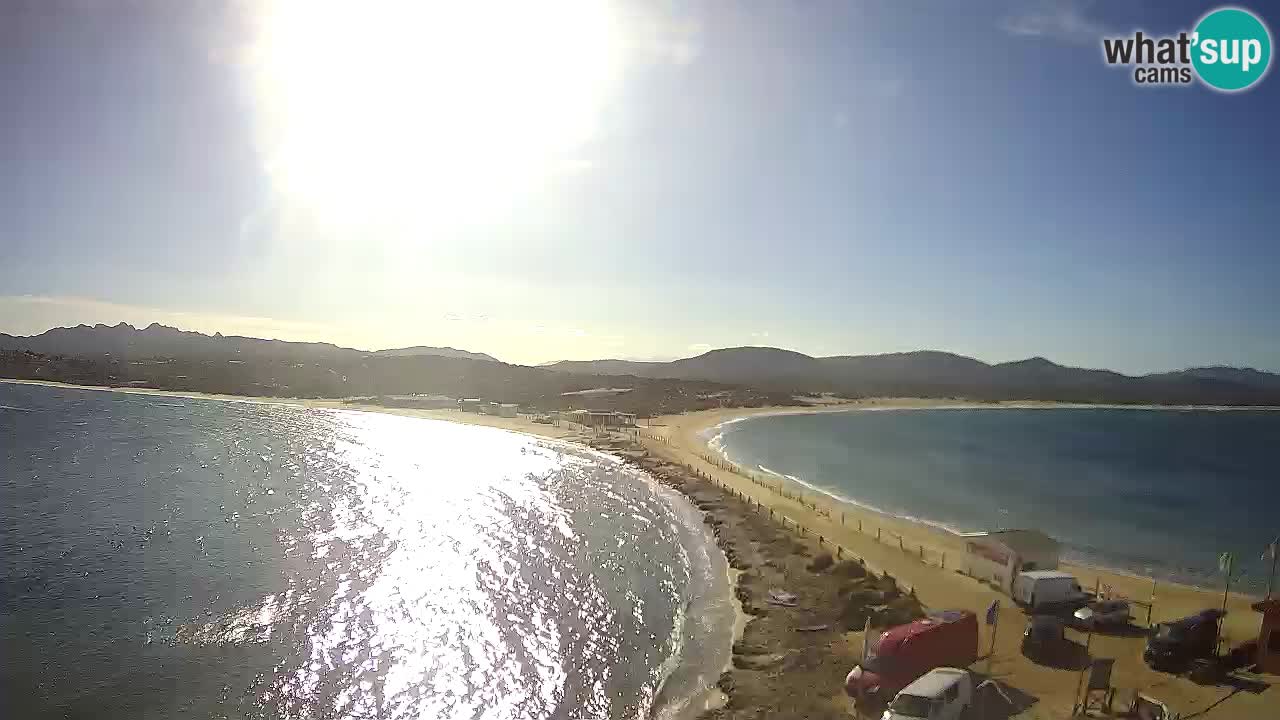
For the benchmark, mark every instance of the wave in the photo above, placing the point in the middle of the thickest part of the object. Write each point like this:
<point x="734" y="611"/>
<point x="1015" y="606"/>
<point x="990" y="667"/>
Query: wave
<point x="940" y="525"/>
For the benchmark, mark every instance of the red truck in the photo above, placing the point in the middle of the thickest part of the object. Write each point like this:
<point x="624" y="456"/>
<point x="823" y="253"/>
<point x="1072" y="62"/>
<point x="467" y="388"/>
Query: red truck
<point x="945" y="639"/>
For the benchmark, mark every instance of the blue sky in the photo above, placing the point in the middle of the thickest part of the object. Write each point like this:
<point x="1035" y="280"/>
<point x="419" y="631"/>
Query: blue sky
<point x="830" y="177"/>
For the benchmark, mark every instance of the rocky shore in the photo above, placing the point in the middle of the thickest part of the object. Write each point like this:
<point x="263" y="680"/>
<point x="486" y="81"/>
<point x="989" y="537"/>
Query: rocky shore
<point x="806" y="608"/>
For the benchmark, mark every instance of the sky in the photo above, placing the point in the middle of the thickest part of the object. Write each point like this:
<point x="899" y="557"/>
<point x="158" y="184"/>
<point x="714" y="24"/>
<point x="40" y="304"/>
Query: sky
<point x="574" y="179"/>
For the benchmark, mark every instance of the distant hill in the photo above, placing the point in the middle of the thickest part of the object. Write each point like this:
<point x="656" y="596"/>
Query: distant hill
<point x="930" y="373"/>
<point x="437" y="351"/>
<point x="125" y="341"/>
<point x="775" y="372"/>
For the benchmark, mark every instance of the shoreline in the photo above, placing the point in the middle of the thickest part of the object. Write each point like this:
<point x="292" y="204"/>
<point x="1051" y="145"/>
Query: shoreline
<point x="1099" y="569"/>
<point x="696" y="704"/>
<point x="924" y="559"/>
<point x="790" y="661"/>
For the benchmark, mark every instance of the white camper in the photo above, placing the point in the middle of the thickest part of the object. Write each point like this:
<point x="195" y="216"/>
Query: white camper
<point x="1044" y="589"/>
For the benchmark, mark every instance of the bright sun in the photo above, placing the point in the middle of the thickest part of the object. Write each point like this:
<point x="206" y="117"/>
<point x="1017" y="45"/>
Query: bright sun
<point x="413" y="114"/>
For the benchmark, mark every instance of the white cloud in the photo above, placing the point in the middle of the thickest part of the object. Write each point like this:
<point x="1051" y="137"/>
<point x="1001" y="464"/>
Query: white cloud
<point x="1065" y="20"/>
<point x="699" y="348"/>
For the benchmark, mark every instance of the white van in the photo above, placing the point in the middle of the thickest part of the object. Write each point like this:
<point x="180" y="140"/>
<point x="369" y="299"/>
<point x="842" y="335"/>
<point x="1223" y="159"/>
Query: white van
<point x="1039" y="589"/>
<point x="941" y="694"/>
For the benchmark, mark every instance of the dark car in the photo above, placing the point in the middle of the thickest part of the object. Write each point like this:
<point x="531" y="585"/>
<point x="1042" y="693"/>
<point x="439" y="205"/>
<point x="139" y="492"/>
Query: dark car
<point x="1043" y="640"/>
<point x="1175" y="644"/>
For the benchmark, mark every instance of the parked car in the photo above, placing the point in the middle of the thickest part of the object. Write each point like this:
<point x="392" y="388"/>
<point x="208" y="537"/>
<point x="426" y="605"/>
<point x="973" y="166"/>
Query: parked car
<point x="1044" y="640"/>
<point x="1103" y="614"/>
<point x="940" y="694"/>
<point x="906" y="652"/>
<point x="1047" y="590"/>
<point x="1174" y="644"/>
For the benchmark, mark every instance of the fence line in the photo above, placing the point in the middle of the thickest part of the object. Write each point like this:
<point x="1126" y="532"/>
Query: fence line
<point x="921" y="553"/>
<point x="777" y="514"/>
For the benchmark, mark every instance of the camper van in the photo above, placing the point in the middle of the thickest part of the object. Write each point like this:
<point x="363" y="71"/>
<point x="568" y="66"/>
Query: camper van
<point x="904" y="653"/>
<point x="1044" y="590"/>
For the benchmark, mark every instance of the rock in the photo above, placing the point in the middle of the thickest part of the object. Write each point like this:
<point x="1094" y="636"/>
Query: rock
<point x="821" y="562"/>
<point x="725" y="683"/>
<point x="850" y="569"/>
<point x="745" y="648"/>
<point x="758" y="662"/>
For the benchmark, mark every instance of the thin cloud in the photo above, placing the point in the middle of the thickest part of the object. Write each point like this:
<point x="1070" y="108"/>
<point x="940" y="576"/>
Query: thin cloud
<point x="1063" y="20"/>
<point x="656" y="34"/>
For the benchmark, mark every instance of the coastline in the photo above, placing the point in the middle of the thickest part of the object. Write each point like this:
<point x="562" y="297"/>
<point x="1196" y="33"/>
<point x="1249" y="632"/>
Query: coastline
<point x="779" y="668"/>
<point x="950" y="536"/>
<point x="694" y="705"/>
<point x="913" y="552"/>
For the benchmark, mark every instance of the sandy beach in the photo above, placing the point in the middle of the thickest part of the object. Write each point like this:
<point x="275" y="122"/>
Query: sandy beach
<point x="780" y="671"/>
<point x="919" y="563"/>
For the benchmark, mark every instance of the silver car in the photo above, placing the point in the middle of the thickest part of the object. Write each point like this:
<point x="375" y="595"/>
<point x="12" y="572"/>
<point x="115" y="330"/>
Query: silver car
<point x="1105" y="613"/>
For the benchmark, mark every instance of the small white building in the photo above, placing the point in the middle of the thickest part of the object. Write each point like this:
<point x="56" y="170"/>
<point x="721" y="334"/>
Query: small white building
<point x="998" y="556"/>
<point x="508" y="410"/>
<point x="470" y="405"/>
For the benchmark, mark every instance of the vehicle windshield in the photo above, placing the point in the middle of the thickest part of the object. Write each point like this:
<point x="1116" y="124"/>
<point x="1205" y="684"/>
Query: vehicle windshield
<point x="877" y="664"/>
<point x="911" y="706"/>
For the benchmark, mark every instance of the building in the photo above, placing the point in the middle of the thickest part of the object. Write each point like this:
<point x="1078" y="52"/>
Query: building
<point x="599" y="419"/>
<point x="998" y="556"/>
<point x="508" y="410"/>
<point x="470" y="405"/>
<point x="1269" y="636"/>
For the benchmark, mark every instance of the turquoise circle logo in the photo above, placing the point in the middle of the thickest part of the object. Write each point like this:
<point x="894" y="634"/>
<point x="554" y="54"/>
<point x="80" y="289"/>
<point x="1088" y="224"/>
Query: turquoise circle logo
<point x="1232" y="49"/>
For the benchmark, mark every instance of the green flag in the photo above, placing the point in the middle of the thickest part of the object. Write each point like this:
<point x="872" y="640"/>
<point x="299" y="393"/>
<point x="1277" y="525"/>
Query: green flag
<point x="1225" y="560"/>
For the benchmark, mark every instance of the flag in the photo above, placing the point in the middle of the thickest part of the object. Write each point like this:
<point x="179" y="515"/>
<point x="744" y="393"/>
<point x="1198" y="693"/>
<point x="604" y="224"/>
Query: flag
<point x="1270" y="552"/>
<point x="993" y="612"/>
<point x="866" y="638"/>
<point x="1225" y="561"/>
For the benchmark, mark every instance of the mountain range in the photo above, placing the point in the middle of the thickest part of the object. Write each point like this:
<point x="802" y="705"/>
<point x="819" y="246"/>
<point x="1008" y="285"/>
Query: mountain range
<point x="124" y="341"/>
<point x="774" y="371"/>
<point x="931" y="373"/>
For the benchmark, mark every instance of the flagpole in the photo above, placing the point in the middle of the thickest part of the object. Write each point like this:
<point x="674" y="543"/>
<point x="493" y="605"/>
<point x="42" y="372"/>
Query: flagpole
<point x="1275" y="545"/>
<point x="1226" y="563"/>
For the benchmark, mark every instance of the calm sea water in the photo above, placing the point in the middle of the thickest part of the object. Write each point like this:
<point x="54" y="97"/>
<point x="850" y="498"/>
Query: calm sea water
<point x="1156" y="492"/>
<point x="165" y="557"/>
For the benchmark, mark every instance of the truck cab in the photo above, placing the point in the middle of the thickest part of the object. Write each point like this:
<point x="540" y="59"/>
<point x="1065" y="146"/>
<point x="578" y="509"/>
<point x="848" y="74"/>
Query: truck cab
<point x="906" y="652"/>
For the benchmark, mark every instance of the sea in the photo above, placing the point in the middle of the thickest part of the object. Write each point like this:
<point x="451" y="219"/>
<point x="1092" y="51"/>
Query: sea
<point x="172" y="557"/>
<point x="1151" y="492"/>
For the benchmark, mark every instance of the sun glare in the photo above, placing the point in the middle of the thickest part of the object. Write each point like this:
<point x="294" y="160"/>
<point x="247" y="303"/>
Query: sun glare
<point x="413" y="114"/>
